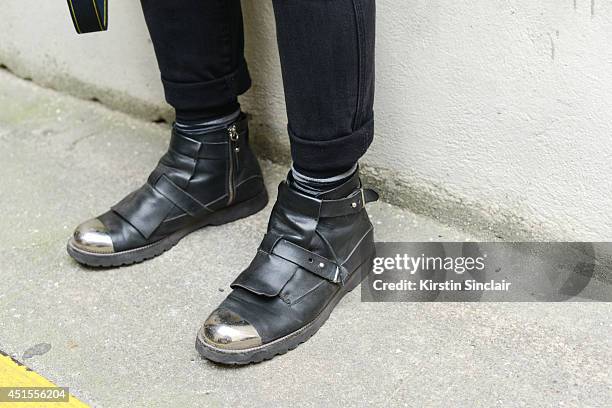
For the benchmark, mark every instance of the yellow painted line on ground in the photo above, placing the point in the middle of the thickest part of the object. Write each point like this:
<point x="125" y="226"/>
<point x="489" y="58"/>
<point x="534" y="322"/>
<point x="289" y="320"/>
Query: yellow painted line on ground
<point x="14" y="374"/>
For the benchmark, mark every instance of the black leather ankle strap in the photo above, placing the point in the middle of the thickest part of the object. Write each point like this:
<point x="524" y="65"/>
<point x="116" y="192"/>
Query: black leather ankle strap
<point x="313" y="263"/>
<point x="197" y="150"/>
<point x="305" y="204"/>
<point x="213" y="144"/>
<point x="352" y="204"/>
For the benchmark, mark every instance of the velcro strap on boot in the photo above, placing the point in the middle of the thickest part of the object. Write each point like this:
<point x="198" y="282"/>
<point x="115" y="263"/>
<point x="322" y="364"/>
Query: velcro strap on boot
<point x="89" y="15"/>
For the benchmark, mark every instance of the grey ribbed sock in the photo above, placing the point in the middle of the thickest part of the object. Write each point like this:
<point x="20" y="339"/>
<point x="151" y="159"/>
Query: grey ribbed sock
<point x="316" y="187"/>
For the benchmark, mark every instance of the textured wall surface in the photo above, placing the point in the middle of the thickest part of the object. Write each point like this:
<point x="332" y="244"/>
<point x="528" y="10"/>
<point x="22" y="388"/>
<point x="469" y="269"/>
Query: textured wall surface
<point x="490" y="113"/>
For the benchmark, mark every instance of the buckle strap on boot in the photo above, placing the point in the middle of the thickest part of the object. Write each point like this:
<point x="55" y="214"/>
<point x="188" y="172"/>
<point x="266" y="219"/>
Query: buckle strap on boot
<point x="284" y="259"/>
<point x="315" y="207"/>
<point x="352" y="204"/>
<point x="282" y="256"/>
<point x="333" y="271"/>
<point x="313" y="263"/>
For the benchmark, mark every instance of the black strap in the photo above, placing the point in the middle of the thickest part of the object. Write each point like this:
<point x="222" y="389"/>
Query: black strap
<point x="314" y="207"/>
<point x="147" y="207"/>
<point x="313" y="263"/>
<point x="179" y="197"/>
<point x="89" y="15"/>
<point x="258" y="279"/>
<point x="352" y="204"/>
<point x="283" y="257"/>
<point x="212" y="146"/>
<point x="144" y="209"/>
<point x="197" y="150"/>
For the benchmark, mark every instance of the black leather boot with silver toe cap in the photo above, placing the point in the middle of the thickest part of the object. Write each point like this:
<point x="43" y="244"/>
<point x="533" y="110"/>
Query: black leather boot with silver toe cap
<point x="315" y="251"/>
<point x="208" y="179"/>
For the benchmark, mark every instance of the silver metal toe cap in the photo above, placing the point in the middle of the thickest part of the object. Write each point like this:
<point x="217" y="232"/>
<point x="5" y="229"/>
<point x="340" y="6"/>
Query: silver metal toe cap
<point x="93" y="236"/>
<point x="226" y="330"/>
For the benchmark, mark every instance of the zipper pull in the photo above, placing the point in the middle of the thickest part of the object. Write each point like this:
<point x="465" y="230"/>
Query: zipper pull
<point x="234" y="136"/>
<point x="233" y="133"/>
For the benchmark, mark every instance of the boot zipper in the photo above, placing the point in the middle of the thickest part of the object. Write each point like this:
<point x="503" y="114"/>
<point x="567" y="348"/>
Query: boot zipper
<point x="233" y="159"/>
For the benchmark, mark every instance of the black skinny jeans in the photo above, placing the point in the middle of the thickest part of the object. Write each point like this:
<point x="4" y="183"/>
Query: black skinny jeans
<point x="327" y="57"/>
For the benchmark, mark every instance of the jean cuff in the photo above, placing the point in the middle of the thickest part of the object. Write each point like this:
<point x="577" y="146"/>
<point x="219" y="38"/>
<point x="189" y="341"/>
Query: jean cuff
<point x="200" y="96"/>
<point x="325" y="158"/>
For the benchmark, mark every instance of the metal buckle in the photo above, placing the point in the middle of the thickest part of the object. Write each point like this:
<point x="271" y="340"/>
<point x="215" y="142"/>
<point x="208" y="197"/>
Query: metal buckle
<point x="336" y="280"/>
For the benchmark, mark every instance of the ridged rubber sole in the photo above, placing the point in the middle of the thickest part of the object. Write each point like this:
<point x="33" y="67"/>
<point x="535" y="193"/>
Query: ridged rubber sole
<point x="290" y="341"/>
<point x="137" y="255"/>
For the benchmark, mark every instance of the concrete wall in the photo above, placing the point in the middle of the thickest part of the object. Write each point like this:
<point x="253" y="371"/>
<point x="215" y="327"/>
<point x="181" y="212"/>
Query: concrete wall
<point x="491" y="113"/>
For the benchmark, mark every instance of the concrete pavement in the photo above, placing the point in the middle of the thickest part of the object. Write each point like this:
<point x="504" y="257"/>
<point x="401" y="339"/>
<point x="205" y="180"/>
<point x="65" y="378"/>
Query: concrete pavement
<point x="125" y="337"/>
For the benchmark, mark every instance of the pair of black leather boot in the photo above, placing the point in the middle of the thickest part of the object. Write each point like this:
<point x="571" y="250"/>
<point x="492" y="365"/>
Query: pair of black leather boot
<point x="315" y="251"/>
